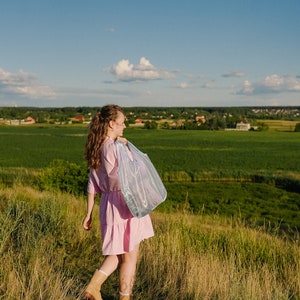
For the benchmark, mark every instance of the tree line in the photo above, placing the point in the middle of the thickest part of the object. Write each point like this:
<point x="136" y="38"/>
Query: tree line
<point x="202" y="118"/>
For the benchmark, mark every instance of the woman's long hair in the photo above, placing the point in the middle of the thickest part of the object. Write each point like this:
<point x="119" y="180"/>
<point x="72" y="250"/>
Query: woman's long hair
<point x="98" y="133"/>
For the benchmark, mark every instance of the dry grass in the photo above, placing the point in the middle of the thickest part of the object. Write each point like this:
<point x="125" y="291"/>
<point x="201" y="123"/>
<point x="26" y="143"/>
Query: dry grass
<point x="205" y="258"/>
<point x="280" y="125"/>
<point x="45" y="254"/>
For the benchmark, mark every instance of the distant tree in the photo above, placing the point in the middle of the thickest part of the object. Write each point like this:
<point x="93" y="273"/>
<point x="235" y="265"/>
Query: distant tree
<point x="263" y="127"/>
<point x="150" y="125"/>
<point x="165" y="125"/>
<point x="130" y="119"/>
<point x="216" y="123"/>
<point x="41" y="120"/>
<point x="189" y="125"/>
<point x="297" y="127"/>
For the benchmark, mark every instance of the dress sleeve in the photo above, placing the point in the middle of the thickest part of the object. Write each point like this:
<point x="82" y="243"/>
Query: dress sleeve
<point x="93" y="183"/>
<point x="105" y="179"/>
<point x="110" y="165"/>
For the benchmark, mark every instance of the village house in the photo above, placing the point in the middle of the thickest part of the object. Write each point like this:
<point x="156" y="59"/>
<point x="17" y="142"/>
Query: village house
<point x="244" y="126"/>
<point x="29" y="120"/>
<point x="138" y="123"/>
<point x="200" y="118"/>
<point x="79" y="118"/>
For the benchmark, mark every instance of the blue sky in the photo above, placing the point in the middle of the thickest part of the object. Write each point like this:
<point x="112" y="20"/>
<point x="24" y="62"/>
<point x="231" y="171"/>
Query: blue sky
<point x="149" y="53"/>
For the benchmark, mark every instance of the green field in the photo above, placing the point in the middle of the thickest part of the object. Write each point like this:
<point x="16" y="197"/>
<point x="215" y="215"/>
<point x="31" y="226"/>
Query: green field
<point x="211" y="172"/>
<point x="223" y="152"/>
<point x="35" y="147"/>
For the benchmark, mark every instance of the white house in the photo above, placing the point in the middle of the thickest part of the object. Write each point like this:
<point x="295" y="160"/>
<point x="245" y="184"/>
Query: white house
<point x="243" y="126"/>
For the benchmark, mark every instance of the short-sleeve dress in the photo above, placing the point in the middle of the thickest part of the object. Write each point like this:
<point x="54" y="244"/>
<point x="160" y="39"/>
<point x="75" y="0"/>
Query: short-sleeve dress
<point x="120" y="230"/>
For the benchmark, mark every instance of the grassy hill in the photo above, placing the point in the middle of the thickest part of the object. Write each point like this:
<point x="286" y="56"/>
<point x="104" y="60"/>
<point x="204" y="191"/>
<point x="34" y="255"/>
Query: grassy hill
<point x="45" y="254"/>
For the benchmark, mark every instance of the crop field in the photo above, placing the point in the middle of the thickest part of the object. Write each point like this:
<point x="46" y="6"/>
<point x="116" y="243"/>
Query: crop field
<point x="280" y="125"/>
<point x="218" y="152"/>
<point x="35" y="147"/>
<point x="207" y="171"/>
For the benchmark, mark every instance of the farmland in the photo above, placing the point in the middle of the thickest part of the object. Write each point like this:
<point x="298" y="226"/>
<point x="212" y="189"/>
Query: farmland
<point x="193" y="152"/>
<point x="211" y="171"/>
<point x="279" y="125"/>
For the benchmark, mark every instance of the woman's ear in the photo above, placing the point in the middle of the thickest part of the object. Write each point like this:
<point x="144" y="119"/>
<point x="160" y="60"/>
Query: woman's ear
<point x="111" y="124"/>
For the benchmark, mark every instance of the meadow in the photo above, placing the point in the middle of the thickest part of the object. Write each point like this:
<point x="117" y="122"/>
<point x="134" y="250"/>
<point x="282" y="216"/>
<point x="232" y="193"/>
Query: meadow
<point x="229" y="228"/>
<point x="46" y="254"/>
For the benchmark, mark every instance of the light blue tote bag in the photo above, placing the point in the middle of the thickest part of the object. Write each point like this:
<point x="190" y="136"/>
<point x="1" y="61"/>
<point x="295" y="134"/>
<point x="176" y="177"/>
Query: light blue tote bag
<point x="140" y="183"/>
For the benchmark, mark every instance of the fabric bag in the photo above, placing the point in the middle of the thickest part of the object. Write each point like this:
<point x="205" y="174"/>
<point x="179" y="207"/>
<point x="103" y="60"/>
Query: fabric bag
<point x="140" y="183"/>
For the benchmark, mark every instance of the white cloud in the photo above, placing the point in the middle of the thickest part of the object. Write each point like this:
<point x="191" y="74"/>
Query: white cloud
<point x="195" y="82"/>
<point x="23" y="84"/>
<point x="183" y="85"/>
<point x="234" y="74"/>
<point x="125" y="71"/>
<point x="271" y="84"/>
<point x="247" y="88"/>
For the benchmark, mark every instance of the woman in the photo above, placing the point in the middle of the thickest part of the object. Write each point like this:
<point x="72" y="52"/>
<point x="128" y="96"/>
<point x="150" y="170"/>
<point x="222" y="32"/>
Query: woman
<point x="121" y="232"/>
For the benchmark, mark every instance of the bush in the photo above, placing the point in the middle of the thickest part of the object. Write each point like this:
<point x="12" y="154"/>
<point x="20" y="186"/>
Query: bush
<point x="64" y="176"/>
<point x="297" y="127"/>
<point x="263" y="127"/>
<point x="150" y="125"/>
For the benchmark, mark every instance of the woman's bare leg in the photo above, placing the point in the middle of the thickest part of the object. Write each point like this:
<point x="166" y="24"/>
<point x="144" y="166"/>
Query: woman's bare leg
<point x="127" y="271"/>
<point x="109" y="264"/>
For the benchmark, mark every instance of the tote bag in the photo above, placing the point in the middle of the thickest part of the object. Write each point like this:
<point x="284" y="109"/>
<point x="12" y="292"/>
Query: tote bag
<point x="140" y="183"/>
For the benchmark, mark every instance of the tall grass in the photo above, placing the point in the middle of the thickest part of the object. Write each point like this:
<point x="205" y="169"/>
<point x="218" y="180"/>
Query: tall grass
<point x="210" y="258"/>
<point x="45" y="254"/>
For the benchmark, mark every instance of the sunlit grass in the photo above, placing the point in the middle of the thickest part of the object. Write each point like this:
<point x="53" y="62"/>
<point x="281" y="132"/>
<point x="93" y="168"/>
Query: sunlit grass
<point x="45" y="254"/>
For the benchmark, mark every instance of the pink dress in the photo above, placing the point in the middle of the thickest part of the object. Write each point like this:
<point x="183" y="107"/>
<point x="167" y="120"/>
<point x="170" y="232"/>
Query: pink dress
<point x="120" y="231"/>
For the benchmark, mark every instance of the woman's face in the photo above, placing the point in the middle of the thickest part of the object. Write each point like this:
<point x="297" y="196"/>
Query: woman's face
<point x="118" y="125"/>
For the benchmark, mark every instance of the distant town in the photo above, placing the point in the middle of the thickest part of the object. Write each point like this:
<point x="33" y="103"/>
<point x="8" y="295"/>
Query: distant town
<point x="201" y="118"/>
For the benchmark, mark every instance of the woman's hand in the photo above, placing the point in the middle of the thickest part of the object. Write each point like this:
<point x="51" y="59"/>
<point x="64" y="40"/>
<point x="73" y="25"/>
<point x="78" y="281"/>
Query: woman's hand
<point x="123" y="140"/>
<point x="87" y="222"/>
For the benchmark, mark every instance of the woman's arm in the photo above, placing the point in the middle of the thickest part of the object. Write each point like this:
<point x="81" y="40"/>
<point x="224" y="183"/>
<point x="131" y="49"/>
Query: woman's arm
<point x="88" y="218"/>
